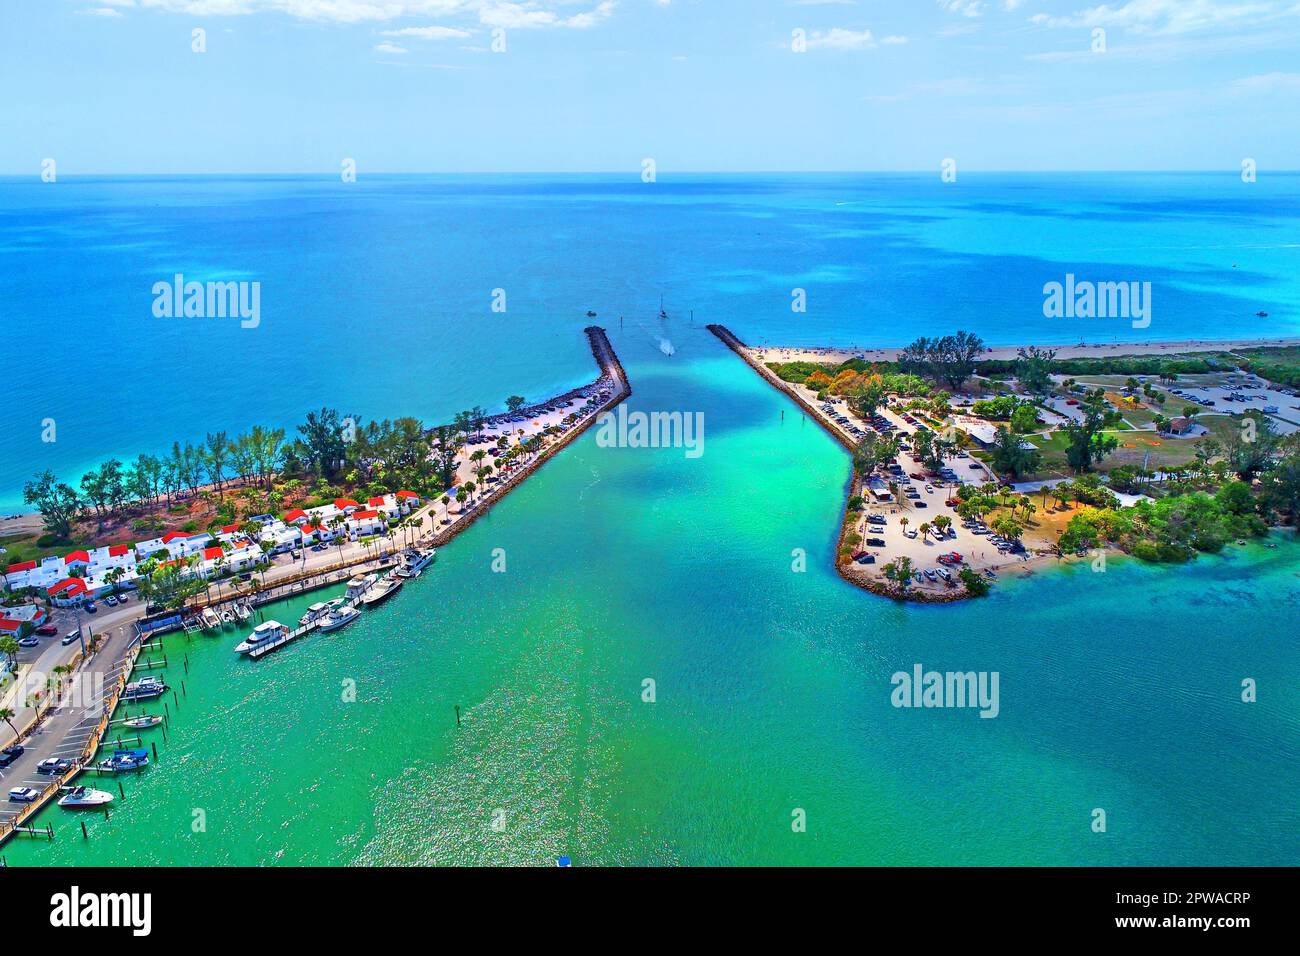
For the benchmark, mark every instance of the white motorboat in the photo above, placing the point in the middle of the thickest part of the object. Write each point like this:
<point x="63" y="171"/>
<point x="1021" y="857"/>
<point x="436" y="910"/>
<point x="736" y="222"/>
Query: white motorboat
<point x="243" y="612"/>
<point x="414" y="561"/>
<point x="210" y="619"/>
<point x="381" y="590"/>
<point x="318" y="611"/>
<point x="143" y="722"/>
<point x="84" y="797"/>
<point x="358" y="586"/>
<point x="339" y="617"/>
<point x="144" y="688"/>
<point x="263" y="634"/>
<point x="226" y="617"/>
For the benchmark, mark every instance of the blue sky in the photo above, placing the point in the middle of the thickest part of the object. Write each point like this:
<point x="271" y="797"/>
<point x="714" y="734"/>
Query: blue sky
<point x="113" y="86"/>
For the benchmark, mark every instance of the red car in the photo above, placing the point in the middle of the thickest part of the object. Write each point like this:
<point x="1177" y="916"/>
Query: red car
<point x="1072" y="401"/>
<point x="47" y="630"/>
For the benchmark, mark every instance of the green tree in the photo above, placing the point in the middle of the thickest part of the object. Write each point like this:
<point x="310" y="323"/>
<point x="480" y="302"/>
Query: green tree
<point x="1009" y="455"/>
<point x="58" y="503"/>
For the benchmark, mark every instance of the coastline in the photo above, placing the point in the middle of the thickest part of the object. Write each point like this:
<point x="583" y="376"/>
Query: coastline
<point x="847" y="569"/>
<point x="1008" y="352"/>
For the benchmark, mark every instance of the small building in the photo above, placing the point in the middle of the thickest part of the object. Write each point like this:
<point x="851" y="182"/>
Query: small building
<point x="1180" y="426"/>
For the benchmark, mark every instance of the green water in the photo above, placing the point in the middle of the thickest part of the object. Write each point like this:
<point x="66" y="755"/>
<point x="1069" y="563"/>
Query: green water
<point x="1117" y="690"/>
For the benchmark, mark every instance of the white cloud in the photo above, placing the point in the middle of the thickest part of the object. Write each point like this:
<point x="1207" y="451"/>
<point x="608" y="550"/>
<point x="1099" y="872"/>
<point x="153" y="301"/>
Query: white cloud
<point x="427" y="33"/>
<point x="103" y="12"/>
<point x="390" y="48"/>
<point x="1173" y="16"/>
<point x="517" y="14"/>
<point x="1268" y="83"/>
<point x="838" y="38"/>
<point x="967" y="8"/>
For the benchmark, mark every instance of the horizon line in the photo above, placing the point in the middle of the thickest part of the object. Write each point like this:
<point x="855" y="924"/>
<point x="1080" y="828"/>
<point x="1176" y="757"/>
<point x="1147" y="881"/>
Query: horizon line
<point x="634" y="173"/>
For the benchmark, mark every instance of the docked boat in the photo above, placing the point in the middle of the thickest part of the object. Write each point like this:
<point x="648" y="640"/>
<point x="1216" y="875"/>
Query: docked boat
<point x="414" y="561"/>
<point x="227" y="618"/>
<point x="358" y="586"/>
<point x="243" y="612"/>
<point x="144" y="688"/>
<point x="143" y="722"/>
<point x="339" y="617"/>
<point x="318" y="610"/>
<point x="381" y="590"/>
<point x="211" y="621"/>
<point x="75" y="797"/>
<point x="265" y="633"/>
<point x="125" y="760"/>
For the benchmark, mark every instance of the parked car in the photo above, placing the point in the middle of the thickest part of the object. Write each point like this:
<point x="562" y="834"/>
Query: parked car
<point x="31" y="640"/>
<point x="875" y="542"/>
<point x="51" y="765"/>
<point x="110" y="601"/>
<point x="47" y="630"/>
<point x="10" y="754"/>
<point x="90" y="608"/>
<point x="23" y="794"/>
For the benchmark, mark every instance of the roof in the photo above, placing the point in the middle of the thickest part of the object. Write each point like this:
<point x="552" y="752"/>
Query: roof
<point x="8" y="625"/>
<point x="171" y="536"/>
<point x="71" y="585"/>
<point x="376" y="501"/>
<point x="211" y="554"/>
<point x="407" y="494"/>
<point x="362" y="515"/>
<point x="297" y="514"/>
<point x="82" y="556"/>
<point x="230" y="528"/>
<point x="20" y="566"/>
<point x="342" y="503"/>
<point x="118" y="550"/>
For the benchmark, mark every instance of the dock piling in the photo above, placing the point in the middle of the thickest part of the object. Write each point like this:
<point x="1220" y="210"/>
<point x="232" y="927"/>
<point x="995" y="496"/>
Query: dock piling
<point x="154" y="745"/>
<point x="84" y="834"/>
<point x="458" y="715"/>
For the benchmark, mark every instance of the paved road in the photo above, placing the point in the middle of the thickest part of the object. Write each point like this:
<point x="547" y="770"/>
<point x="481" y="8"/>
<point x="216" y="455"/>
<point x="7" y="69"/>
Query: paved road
<point x="65" y="727"/>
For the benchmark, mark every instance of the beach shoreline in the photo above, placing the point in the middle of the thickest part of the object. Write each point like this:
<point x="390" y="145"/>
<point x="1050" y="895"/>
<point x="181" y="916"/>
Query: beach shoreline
<point x="777" y="353"/>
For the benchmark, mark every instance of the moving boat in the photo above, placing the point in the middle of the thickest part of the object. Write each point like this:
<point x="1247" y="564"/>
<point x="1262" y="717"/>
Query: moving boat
<point x="381" y="590"/>
<point x="125" y="760"/>
<point x="340" y="616"/>
<point x="143" y="722"/>
<point x="84" y="797"/>
<point x="264" y="633"/>
<point x="210" y="619"/>
<point x="144" y="688"/>
<point x="414" y="561"/>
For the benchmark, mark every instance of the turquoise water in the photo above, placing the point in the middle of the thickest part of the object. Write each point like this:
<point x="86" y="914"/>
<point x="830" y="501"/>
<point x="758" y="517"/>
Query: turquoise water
<point x="376" y="296"/>
<point x="1117" y="690"/>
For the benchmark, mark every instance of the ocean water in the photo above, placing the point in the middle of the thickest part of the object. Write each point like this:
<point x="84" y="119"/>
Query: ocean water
<point x="377" y="296"/>
<point x="1118" y="691"/>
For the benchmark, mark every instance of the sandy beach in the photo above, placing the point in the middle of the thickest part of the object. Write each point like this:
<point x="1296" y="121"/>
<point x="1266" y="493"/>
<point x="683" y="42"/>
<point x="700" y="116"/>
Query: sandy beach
<point x="1004" y="352"/>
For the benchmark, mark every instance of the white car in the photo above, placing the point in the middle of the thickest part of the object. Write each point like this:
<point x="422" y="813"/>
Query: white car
<point x="23" y="794"/>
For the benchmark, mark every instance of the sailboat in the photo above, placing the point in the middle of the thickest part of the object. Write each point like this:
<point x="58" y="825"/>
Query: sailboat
<point x="662" y="313"/>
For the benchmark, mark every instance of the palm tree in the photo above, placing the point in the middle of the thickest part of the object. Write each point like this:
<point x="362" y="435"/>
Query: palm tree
<point x="9" y="648"/>
<point x="900" y="572"/>
<point x="446" y="508"/>
<point x="7" y="715"/>
<point x="903" y="524"/>
<point x="925" y="530"/>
